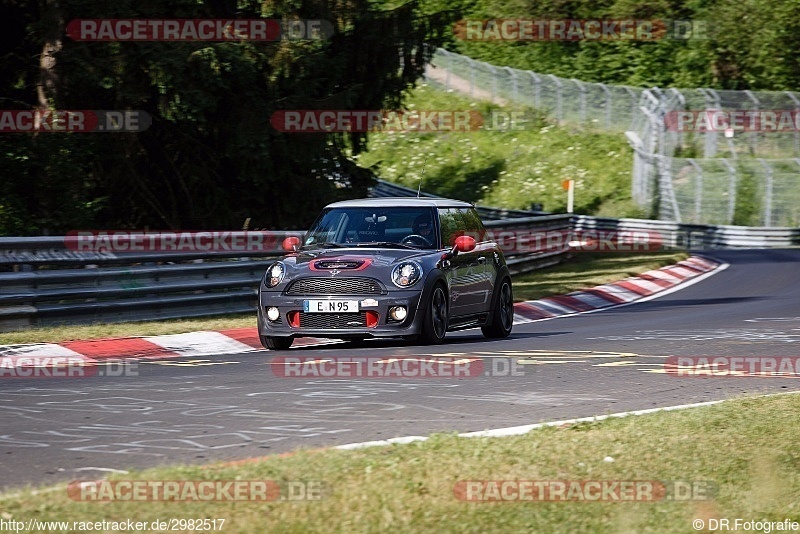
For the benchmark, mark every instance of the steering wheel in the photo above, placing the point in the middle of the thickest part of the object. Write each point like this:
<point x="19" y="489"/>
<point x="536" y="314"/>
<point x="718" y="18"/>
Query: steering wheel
<point x="416" y="237"/>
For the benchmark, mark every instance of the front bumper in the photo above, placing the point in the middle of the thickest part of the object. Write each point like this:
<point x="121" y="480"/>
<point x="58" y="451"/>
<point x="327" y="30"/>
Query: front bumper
<point x="411" y="325"/>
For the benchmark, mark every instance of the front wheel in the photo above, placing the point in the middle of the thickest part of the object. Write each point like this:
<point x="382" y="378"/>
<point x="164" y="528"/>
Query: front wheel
<point x="276" y="343"/>
<point x="503" y="313"/>
<point x="436" y="316"/>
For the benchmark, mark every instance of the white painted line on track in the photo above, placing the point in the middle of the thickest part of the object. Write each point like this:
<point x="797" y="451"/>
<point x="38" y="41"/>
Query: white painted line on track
<point x="201" y="343"/>
<point x="105" y="469"/>
<point x="524" y="429"/>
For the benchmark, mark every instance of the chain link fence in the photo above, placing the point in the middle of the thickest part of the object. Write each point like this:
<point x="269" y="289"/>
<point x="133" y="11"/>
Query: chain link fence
<point x="607" y="107"/>
<point x="682" y="171"/>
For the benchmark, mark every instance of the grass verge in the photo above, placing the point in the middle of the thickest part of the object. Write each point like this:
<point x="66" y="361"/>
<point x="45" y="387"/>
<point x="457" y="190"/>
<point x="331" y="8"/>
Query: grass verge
<point x="584" y="270"/>
<point x="744" y="448"/>
<point x="507" y="168"/>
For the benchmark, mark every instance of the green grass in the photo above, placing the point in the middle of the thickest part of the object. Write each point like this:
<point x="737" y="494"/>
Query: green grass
<point x="508" y="169"/>
<point x="746" y="448"/>
<point x="584" y="270"/>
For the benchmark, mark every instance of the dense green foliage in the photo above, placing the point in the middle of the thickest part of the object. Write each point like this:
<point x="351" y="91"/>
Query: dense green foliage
<point x="751" y="44"/>
<point x="210" y="158"/>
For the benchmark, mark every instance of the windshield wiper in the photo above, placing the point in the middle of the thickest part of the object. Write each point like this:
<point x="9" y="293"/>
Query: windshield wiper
<point x="329" y="244"/>
<point x="385" y="244"/>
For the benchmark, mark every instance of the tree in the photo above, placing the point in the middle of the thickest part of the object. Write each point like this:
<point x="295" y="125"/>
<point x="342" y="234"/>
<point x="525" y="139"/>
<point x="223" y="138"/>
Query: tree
<point x="210" y="159"/>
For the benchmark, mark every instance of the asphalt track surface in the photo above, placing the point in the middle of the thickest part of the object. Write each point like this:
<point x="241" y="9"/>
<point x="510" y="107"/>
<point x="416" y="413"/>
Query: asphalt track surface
<point x="232" y="407"/>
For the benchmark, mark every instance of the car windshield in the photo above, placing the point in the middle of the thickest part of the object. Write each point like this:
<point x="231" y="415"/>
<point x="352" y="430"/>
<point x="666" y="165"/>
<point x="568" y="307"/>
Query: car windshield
<point x="409" y="227"/>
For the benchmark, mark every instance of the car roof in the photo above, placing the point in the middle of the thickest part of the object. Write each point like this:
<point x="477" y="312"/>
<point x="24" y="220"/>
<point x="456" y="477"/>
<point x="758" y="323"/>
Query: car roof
<point x="400" y="202"/>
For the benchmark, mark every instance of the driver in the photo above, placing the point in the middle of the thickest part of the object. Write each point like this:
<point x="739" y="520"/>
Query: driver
<point x="423" y="226"/>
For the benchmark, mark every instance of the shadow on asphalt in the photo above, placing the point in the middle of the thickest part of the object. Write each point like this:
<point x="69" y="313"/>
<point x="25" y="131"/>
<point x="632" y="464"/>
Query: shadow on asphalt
<point x="451" y="341"/>
<point x="657" y="305"/>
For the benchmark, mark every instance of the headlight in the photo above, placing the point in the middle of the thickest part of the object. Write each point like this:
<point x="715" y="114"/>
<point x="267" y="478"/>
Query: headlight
<point x="275" y="274"/>
<point x="406" y="274"/>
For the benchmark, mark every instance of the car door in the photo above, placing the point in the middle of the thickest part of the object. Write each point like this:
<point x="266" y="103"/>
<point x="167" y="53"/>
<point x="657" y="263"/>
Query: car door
<point x="467" y="272"/>
<point x="483" y="263"/>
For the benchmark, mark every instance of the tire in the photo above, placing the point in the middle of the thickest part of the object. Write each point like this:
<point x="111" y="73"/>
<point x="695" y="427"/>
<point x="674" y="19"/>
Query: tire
<point x="503" y="313"/>
<point x="434" y="327"/>
<point x="276" y="343"/>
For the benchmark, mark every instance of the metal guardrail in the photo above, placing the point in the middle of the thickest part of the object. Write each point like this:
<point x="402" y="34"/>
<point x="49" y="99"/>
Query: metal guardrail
<point x="52" y="280"/>
<point x="61" y="280"/>
<point x="676" y="235"/>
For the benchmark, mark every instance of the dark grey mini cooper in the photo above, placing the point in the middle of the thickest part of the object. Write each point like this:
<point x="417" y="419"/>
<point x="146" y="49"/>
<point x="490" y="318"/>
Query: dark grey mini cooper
<point x="390" y="267"/>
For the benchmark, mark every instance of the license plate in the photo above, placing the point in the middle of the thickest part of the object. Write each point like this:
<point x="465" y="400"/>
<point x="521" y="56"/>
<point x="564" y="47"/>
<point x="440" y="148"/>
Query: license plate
<point x="330" y="306"/>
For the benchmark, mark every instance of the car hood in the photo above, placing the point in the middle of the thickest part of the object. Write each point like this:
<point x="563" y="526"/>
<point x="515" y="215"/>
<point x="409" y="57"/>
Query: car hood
<point x="376" y="262"/>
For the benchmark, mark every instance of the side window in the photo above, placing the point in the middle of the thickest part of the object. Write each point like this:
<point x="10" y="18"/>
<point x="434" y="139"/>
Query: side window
<point x="449" y="223"/>
<point x="460" y="221"/>
<point x="473" y="224"/>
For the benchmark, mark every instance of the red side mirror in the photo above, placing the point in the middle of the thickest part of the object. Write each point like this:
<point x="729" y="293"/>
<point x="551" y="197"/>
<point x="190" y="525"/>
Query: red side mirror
<point x="465" y="243"/>
<point x="290" y="244"/>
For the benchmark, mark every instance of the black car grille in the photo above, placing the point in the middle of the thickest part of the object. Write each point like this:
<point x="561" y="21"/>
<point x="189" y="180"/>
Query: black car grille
<point x="334" y="286"/>
<point x="338" y="264"/>
<point x="333" y="320"/>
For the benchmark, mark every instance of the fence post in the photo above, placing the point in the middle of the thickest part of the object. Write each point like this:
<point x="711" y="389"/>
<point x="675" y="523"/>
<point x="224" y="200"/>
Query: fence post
<point x="731" y="190"/>
<point x="753" y="135"/>
<point x="796" y="134"/>
<point x="494" y="83"/>
<point x="513" y="74"/>
<point x="767" y="193"/>
<point x="712" y="102"/>
<point x="634" y="101"/>
<point x="607" y="92"/>
<point x="582" y="89"/>
<point x="559" y="84"/>
<point x="537" y="89"/>
<point x="698" y="192"/>
<point x="471" y="62"/>
<point x="448" y="69"/>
